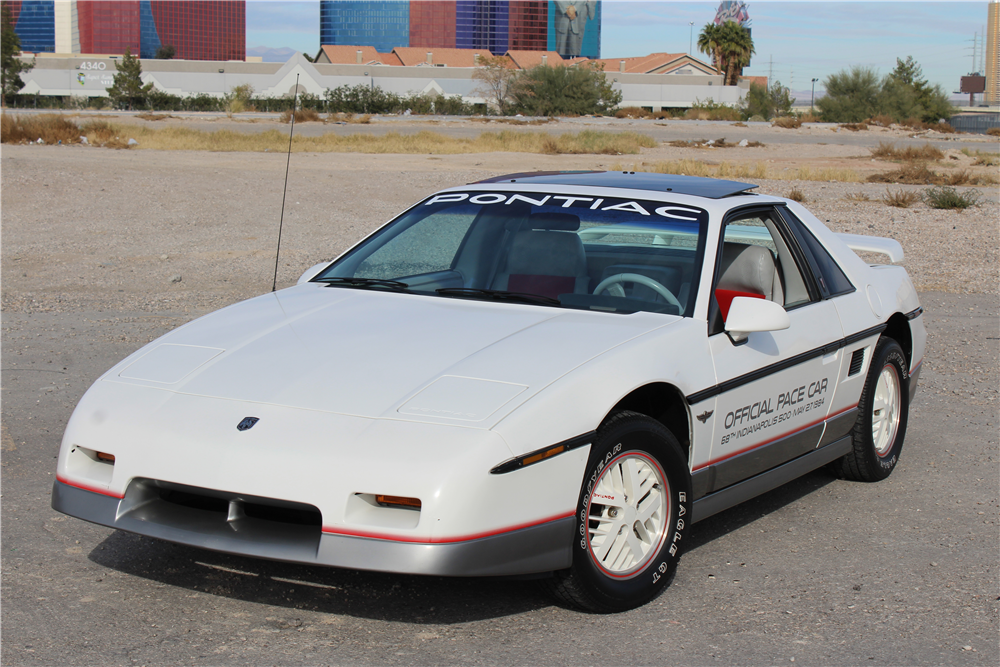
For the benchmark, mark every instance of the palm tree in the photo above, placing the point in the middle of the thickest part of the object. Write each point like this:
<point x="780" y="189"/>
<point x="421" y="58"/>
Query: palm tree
<point x="730" y="46"/>
<point x="736" y="48"/>
<point x="708" y="43"/>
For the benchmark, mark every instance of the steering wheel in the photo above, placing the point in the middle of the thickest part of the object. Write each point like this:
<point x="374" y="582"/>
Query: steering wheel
<point x="613" y="286"/>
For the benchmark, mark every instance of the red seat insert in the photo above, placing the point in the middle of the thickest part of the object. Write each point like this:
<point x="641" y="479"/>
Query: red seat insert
<point x="725" y="298"/>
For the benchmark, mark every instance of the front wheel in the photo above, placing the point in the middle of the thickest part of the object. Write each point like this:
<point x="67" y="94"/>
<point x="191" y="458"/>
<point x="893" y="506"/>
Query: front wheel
<point x="632" y="515"/>
<point x="882" y="412"/>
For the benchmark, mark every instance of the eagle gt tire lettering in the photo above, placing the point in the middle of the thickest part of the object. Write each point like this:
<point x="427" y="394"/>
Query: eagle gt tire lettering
<point x="882" y="412"/>
<point x="632" y="517"/>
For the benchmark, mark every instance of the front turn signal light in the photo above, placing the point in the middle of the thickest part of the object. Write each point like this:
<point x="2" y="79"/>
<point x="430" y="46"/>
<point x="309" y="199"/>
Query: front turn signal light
<point x="397" y="501"/>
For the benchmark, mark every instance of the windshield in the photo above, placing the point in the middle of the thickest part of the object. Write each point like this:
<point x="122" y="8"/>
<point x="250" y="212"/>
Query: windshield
<point x="597" y="253"/>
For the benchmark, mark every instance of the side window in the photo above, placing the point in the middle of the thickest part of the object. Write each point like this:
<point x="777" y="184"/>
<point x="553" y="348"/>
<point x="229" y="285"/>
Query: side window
<point x="757" y="262"/>
<point x="442" y="231"/>
<point x="831" y="277"/>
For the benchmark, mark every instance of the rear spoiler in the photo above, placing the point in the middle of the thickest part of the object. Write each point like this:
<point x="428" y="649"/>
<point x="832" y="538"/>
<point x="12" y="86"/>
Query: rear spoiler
<point x="888" y="247"/>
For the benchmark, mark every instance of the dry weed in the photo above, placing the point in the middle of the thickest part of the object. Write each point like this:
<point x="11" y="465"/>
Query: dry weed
<point x="301" y="116"/>
<point x="787" y="122"/>
<point x="50" y="128"/>
<point x="853" y="127"/>
<point x="858" y="196"/>
<point x="900" y="198"/>
<point x="796" y="195"/>
<point x="888" y="151"/>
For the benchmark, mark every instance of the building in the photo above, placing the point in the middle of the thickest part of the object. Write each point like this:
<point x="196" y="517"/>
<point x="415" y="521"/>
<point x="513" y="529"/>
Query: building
<point x="196" y="29"/>
<point x="993" y="54"/>
<point x="571" y="27"/>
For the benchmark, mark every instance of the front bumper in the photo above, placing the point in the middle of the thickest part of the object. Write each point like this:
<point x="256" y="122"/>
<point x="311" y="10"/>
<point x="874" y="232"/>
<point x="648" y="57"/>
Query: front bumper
<point x="542" y="547"/>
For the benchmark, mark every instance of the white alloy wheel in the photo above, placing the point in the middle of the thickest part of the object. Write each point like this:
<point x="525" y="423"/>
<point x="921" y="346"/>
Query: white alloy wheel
<point x="627" y="514"/>
<point x="885" y="410"/>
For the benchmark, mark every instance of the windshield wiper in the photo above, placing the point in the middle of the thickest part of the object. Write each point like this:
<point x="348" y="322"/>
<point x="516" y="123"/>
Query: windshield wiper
<point x="498" y="295"/>
<point x="365" y="283"/>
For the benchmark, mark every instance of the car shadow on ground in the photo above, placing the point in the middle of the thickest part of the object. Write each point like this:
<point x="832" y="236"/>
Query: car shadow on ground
<point x="735" y="518"/>
<point x="372" y="595"/>
<point x="378" y="595"/>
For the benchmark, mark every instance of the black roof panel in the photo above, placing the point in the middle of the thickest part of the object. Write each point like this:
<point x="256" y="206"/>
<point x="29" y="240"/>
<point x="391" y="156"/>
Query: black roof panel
<point x="697" y="186"/>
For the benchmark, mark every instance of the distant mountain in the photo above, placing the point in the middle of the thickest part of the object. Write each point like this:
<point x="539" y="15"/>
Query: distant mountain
<point x="270" y="55"/>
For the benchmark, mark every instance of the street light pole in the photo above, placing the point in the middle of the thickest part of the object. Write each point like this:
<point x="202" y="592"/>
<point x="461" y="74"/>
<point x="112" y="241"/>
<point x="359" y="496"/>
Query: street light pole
<point x="690" y="38"/>
<point x="813" y="98"/>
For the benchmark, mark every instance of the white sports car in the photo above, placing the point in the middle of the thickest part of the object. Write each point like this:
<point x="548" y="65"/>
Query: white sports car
<point x="543" y="373"/>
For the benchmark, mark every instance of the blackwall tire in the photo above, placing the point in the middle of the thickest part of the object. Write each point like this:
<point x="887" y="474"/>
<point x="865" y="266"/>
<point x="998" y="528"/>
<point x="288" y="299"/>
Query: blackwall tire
<point x="632" y="517"/>
<point x="882" y="415"/>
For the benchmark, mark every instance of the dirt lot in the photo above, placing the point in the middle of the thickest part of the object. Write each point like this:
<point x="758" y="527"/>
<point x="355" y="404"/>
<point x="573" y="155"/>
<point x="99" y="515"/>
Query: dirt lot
<point x="103" y="250"/>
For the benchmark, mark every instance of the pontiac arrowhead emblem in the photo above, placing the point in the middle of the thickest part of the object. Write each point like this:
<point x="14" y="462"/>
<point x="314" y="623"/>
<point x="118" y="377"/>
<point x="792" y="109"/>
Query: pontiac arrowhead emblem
<point x="703" y="417"/>
<point x="247" y="423"/>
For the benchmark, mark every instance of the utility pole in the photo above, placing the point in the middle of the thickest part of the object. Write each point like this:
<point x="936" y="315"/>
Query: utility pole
<point x="770" y="69"/>
<point x="691" y="38"/>
<point x="812" y="99"/>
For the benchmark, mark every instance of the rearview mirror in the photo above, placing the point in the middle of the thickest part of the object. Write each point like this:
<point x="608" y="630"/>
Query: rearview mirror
<point x="747" y="315"/>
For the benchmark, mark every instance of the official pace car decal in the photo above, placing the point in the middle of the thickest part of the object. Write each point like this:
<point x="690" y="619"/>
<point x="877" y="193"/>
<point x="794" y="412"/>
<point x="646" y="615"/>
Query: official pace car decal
<point x="649" y="209"/>
<point x="773" y="410"/>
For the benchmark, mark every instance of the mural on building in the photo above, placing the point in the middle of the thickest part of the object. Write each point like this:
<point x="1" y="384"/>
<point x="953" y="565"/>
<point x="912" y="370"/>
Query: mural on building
<point x="575" y="28"/>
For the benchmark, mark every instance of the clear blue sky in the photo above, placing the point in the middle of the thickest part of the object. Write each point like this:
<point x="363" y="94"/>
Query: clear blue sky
<point x="804" y="39"/>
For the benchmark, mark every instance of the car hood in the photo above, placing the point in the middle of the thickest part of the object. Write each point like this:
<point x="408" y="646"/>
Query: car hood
<point x="380" y="354"/>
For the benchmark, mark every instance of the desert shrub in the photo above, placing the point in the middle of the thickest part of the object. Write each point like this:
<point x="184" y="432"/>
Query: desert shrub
<point x="788" y="122"/>
<point x="633" y="112"/>
<point x="881" y="120"/>
<point x="854" y="127"/>
<point x="858" y="196"/>
<point x="712" y="110"/>
<point x="911" y="174"/>
<point x="238" y="99"/>
<point x="301" y="116"/>
<point x="888" y="151"/>
<point x="796" y="195"/>
<point x="900" y="198"/>
<point x="993" y="131"/>
<point x="946" y="197"/>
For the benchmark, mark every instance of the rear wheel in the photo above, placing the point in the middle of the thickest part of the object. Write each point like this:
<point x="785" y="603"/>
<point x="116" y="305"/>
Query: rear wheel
<point x="632" y="516"/>
<point x="882" y="414"/>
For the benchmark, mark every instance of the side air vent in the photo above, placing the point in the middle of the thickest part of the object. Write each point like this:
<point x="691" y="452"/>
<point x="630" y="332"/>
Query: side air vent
<point x="857" y="359"/>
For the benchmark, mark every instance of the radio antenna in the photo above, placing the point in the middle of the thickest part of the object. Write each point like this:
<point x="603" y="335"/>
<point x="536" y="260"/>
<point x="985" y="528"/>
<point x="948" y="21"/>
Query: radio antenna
<point x="284" y="193"/>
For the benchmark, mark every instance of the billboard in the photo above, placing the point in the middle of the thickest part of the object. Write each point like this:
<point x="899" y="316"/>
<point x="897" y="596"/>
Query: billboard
<point x="575" y="28"/>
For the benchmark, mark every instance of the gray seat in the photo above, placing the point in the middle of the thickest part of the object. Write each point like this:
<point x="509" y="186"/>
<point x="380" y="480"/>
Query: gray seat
<point x="546" y="257"/>
<point x="749" y="270"/>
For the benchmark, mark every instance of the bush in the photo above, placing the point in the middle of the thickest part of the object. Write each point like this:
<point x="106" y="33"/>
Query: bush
<point x="886" y="151"/>
<point x="301" y="116"/>
<point x="712" y="110"/>
<point x="50" y="128"/>
<point x="767" y="101"/>
<point x="564" y="91"/>
<point x="949" y="198"/>
<point x="633" y="112"/>
<point x="993" y="131"/>
<point x="856" y="94"/>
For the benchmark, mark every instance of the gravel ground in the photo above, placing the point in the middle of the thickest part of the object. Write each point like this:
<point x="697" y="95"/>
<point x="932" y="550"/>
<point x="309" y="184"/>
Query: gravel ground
<point x="105" y="250"/>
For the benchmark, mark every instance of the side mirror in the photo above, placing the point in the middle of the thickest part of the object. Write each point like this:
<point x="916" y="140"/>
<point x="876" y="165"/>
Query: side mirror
<point x="312" y="272"/>
<point x="747" y="315"/>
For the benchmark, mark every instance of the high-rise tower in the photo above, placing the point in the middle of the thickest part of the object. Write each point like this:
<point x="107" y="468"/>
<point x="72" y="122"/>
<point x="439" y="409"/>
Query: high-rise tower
<point x="993" y="54"/>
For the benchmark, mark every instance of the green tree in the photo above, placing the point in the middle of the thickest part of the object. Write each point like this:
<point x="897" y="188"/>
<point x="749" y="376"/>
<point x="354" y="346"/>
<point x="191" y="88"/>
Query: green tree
<point x="851" y="96"/>
<point x="906" y="94"/>
<point x="857" y="95"/>
<point x="497" y="77"/>
<point x="13" y="66"/>
<point x="730" y="46"/>
<point x="127" y="87"/>
<point x="564" y="91"/>
<point x="767" y="101"/>
<point x="166" y="52"/>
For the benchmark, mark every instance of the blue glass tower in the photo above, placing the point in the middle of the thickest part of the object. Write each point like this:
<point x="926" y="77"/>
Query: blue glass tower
<point x="482" y="24"/>
<point x="36" y="26"/>
<point x="383" y="24"/>
<point x="149" y="38"/>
